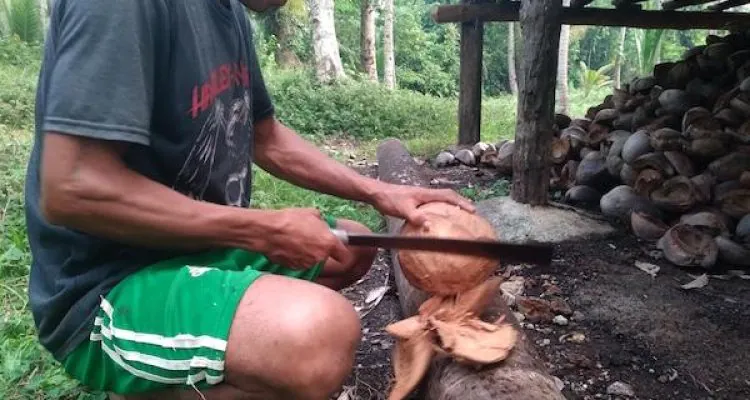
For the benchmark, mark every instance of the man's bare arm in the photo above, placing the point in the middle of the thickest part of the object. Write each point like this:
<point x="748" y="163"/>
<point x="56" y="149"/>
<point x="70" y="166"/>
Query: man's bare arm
<point x="286" y="155"/>
<point x="87" y="187"/>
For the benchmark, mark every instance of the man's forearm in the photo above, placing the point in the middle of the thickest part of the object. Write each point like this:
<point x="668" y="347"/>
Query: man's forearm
<point x="286" y="155"/>
<point x="85" y="187"/>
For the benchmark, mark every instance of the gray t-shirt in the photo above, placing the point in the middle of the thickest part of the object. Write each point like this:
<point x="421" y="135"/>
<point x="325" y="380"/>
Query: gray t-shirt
<point x="180" y="81"/>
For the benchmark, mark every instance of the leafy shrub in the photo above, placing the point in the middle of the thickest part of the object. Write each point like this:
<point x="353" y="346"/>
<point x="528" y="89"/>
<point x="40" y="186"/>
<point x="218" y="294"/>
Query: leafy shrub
<point x="362" y="110"/>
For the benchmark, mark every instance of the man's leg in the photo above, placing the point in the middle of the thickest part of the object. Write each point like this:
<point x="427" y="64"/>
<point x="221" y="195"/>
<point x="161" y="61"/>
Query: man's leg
<point x="290" y="339"/>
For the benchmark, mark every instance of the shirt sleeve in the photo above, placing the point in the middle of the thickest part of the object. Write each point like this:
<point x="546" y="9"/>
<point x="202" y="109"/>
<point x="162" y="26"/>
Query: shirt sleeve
<point x="101" y="83"/>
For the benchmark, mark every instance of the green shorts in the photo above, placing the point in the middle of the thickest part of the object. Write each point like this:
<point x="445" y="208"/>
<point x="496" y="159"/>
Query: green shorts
<point x="167" y="325"/>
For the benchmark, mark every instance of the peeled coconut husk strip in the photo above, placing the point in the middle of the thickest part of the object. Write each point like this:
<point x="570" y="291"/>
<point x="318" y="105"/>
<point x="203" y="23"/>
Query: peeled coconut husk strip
<point x="676" y="195"/>
<point x="732" y="253"/>
<point x="735" y="203"/>
<point x="681" y="163"/>
<point x="687" y="246"/>
<point x="647" y="227"/>
<point x="411" y="360"/>
<point x="582" y="196"/>
<point x="730" y="167"/>
<point x="636" y="145"/>
<point x="447" y="274"/>
<point x="704" y="184"/>
<point x="711" y="222"/>
<point x="560" y="150"/>
<point x="475" y="341"/>
<point x="648" y="180"/>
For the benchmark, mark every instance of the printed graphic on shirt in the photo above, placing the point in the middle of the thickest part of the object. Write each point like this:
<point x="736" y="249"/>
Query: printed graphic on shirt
<point x="223" y="137"/>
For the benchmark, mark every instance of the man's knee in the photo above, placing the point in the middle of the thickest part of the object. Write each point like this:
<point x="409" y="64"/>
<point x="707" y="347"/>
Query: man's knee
<point x="295" y="336"/>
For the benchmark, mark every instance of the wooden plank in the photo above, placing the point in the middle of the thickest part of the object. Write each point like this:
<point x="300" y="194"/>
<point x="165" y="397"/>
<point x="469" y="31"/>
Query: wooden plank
<point x="470" y="83"/>
<point x="540" y="27"/>
<point x="521" y="376"/>
<point x="646" y="19"/>
<point x="725" y="5"/>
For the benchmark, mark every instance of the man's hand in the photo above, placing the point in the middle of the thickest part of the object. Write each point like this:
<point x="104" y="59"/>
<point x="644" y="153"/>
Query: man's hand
<point x="301" y="239"/>
<point x="403" y="201"/>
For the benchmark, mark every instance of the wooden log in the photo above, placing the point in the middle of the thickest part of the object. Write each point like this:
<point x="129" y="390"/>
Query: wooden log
<point x="520" y="376"/>
<point x="470" y="83"/>
<point x="647" y="19"/>
<point x="725" y="5"/>
<point x="676" y="4"/>
<point x="540" y="27"/>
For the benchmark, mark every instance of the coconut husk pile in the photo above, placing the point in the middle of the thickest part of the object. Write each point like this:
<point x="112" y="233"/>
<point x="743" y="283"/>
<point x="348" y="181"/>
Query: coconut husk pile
<point x="667" y="154"/>
<point x="449" y="323"/>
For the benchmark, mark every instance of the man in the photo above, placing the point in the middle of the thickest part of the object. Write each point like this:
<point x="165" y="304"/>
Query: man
<point x="151" y="275"/>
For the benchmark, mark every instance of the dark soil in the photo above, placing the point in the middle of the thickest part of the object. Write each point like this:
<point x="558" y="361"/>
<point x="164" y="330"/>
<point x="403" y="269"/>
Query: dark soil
<point x="663" y="341"/>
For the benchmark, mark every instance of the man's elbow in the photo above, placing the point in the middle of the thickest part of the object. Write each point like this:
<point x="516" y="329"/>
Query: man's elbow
<point x="60" y="201"/>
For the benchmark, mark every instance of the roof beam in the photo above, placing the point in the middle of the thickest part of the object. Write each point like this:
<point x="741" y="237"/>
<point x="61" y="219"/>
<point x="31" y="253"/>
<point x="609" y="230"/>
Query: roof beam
<point x="646" y="19"/>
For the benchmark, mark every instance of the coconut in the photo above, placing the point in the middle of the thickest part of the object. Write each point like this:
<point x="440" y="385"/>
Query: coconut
<point x="647" y="227"/>
<point x="737" y="59"/>
<point x="614" y="165"/>
<point x="504" y="163"/>
<point x="643" y="85"/>
<point x="568" y="173"/>
<point x="621" y="201"/>
<point x="735" y="203"/>
<point x="687" y="246"/>
<point x="703" y="128"/>
<point x="662" y="71"/>
<point x="655" y="161"/>
<point x="711" y="222"/>
<point x="732" y="253"/>
<point x="592" y="170"/>
<point x="447" y="274"/>
<point x="628" y="175"/>
<point x="725" y="187"/>
<point x="729" y="117"/>
<point x="582" y="196"/>
<point x="641" y="117"/>
<point x="624" y="121"/>
<point x="708" y="148"/>
<point x="704" y="184"/>
<point x="635" y="146"/>
<point x="647" y="181"/>
<point x="745" y="180"/>
<point x="597" y="133"/>
<point x="667" y="139"/>
<point x="562" y="121"/>
<point x="692" y="52"/>
<point x="680" y="74"/>
<point x="740" y="106"/>
<point x="606" y="116"/>
<point x="694" y="114"/>
<point x="560" y="149"/>
<point x="709" y="67"/>
<point x="617" y="140"/>
<point x="743" y="230"/>
<point x="577" y="135"/>
<point x="680" y="162"/>
<point x="676" y="195"/>
<point x="730" y="167"/>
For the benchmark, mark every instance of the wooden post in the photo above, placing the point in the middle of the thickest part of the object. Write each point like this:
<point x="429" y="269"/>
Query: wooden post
<point x="470" y="82"/>
<point x="540" y="27"/>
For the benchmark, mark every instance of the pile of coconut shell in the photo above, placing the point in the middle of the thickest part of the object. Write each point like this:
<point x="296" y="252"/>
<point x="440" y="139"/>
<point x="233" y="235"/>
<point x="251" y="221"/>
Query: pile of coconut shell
<point x="670" y="155"/>
<point x="667" y="154"/>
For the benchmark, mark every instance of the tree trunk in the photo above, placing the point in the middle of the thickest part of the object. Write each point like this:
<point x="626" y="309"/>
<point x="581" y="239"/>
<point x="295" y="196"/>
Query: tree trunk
<point x="283" y="28"/>
<point x="562" y="66"/>
<point x="512" y="78"/>
<point x="389" y="59"/>
<point x="540" y="28"/>
<point x="618" y="60"/>
<point x="367" y="40"/>
<point x="328" y="66"/>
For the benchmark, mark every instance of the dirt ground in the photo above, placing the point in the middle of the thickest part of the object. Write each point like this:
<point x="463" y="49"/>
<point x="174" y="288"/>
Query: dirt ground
<point x="624" y="328"/>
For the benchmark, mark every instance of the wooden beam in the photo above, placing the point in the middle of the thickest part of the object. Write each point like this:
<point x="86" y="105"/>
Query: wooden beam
<point x="675" y="4"/>
<point x="470" y="83"/>
<point x="646" y="19"/>
<point x="540" y="27"/>
<point x="724" y="5"/>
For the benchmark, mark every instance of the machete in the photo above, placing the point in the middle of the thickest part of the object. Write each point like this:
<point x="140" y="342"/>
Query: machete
<point x="531" y="253"/>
